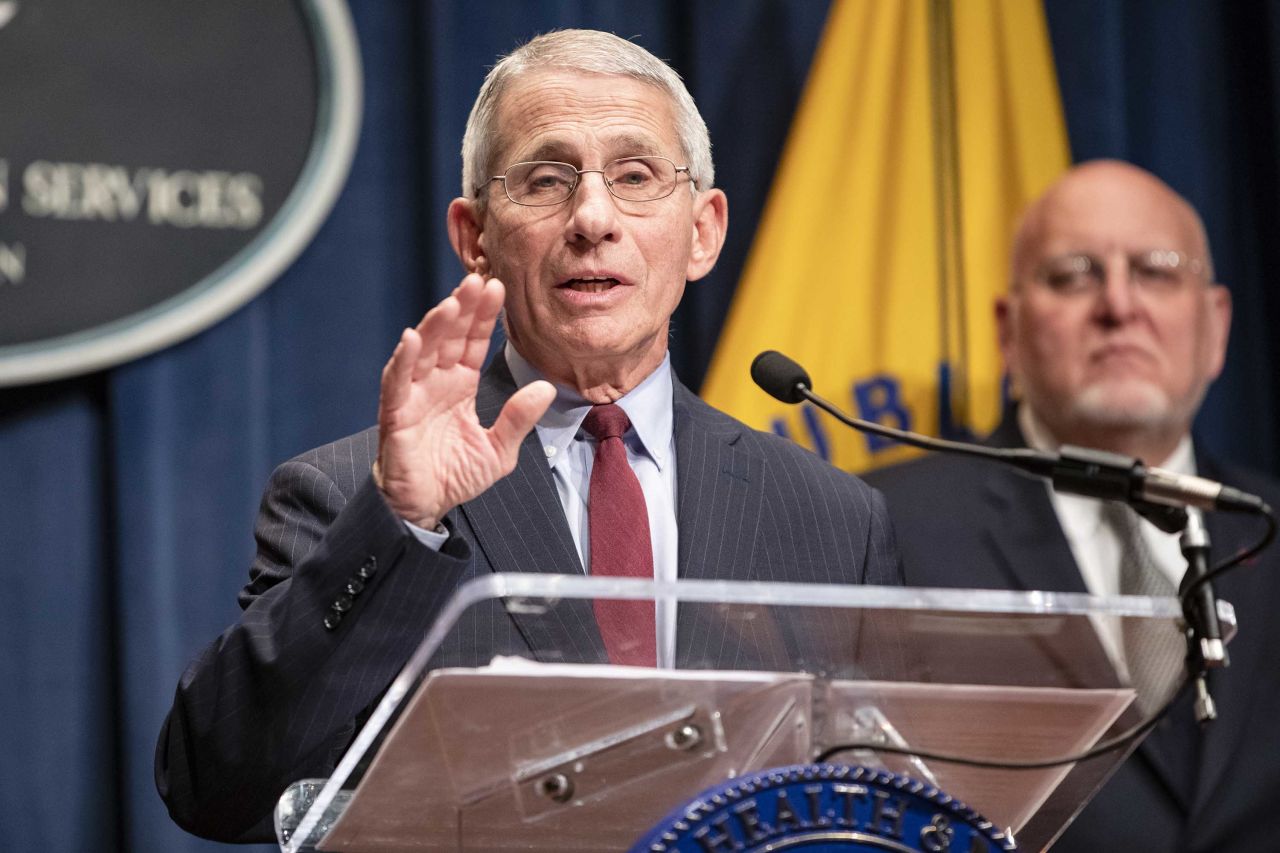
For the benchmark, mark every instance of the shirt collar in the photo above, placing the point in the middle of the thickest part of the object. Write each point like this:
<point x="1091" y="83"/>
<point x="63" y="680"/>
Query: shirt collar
<point x="648" y="407"/>
<point x="1181" y="461"/>
<point x="1082" y="513"/>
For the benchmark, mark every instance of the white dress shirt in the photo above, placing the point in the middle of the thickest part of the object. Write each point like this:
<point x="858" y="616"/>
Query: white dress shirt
<point x="1094" y="544"/>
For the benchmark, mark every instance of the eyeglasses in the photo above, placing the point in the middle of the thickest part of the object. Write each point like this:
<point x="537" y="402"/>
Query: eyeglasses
<point x="541" y="183"/>
<point x="1156" y="271"/>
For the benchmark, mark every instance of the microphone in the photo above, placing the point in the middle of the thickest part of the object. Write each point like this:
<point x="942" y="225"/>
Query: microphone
<point x="780" y="377"/>
<point x="1169" y="500"/>
<point x="1076" y="470"/>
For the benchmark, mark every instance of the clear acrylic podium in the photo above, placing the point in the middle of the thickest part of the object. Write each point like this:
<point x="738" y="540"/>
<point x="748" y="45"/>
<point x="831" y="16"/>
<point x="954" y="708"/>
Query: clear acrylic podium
<point x="545" y="755"/>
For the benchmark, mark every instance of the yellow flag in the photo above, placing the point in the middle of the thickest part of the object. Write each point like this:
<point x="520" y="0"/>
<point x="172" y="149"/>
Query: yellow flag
<point x="925" y="127"/>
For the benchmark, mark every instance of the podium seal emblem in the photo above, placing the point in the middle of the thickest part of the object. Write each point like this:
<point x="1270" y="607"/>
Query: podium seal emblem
<point x="818" y="808"/>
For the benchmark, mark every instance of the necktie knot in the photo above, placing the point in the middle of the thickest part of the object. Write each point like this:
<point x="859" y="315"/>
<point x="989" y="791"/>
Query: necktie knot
<point x="1140" y="574"/>
<point x="606" y="421"/>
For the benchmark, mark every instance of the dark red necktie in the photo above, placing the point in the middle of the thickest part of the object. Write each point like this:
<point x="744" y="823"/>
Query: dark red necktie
<point x="619" y="527"/>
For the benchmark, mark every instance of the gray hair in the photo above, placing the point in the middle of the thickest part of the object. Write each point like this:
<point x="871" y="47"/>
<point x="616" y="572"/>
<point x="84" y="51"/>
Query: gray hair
<point x="583" y="52"/>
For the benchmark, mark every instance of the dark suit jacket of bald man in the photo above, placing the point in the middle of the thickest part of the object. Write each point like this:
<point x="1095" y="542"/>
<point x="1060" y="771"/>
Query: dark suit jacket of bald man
<point x="967" y="523"/>
<point x="278" y="696"/>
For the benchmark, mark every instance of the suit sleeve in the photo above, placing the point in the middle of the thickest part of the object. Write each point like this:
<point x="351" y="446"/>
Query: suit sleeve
<point x="339" y="596"/>
<point x="883" y="562"/>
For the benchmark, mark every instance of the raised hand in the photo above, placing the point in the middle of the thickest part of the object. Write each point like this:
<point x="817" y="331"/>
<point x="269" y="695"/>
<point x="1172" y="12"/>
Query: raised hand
<point x="432" y="452"/>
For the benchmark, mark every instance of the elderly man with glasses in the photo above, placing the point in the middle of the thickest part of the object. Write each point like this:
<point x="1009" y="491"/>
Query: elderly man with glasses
<point x="1112" y="331"/>
<point x="588" y="204"/>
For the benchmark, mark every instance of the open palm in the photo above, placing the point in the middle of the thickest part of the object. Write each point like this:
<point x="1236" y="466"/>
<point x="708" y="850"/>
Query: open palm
<point x="433" y="454"/>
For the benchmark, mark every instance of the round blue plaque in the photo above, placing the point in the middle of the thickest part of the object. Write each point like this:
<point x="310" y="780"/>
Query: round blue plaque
<point x="818" y="808"/>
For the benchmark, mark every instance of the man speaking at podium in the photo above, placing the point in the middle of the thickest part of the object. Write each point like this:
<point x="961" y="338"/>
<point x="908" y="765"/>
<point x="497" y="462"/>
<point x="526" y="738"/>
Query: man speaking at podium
<point x="1112" y="331"/>
<point x="588" y="203"/>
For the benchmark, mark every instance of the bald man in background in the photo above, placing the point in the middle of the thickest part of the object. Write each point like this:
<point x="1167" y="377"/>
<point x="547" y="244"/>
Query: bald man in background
<point x="1111" y="332"/>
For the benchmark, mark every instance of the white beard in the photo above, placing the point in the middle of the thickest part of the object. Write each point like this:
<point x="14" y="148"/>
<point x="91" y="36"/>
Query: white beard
<point x="1124" y="403"/>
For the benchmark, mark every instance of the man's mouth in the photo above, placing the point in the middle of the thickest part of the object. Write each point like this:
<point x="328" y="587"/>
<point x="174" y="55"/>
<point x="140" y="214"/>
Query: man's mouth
<point x="591" y="284"/>
<point x="1122" y="352"/>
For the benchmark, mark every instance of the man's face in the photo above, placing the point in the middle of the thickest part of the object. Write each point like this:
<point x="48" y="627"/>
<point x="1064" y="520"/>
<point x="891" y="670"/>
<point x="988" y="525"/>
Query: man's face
<point x="594" y="278"/>
<point x="1131" y="344"/>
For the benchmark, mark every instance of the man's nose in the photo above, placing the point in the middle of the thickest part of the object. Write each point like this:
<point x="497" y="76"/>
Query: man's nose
<point x="1118" y="297"/>
<point x="593" y="211"/>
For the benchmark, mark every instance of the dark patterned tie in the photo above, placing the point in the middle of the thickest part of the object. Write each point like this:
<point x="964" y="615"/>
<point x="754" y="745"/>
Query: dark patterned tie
<point x="619" y="526"/>
<point x="1139" y="573"/>
<point x="1155" y="656"/>
<point x="1154" y="652"/>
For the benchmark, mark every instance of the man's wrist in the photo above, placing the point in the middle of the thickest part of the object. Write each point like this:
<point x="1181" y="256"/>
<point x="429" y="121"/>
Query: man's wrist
<point x="425" y="523"/>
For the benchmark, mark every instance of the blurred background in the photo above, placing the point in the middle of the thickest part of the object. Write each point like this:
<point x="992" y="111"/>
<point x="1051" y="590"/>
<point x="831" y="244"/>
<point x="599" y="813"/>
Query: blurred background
<point x="127" y="495"/>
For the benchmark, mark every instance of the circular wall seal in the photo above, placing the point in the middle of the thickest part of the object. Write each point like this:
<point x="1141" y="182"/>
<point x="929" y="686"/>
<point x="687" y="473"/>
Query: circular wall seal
<point x="821" y="808"/>
<point x="160" y="165"/>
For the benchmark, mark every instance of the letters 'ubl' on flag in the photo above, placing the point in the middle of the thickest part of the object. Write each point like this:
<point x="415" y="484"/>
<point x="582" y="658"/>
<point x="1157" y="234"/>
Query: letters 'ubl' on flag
<point x="924" y="128"/>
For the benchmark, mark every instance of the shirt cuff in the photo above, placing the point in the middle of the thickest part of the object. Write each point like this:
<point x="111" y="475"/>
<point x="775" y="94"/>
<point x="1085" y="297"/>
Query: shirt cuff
<point x="433" y="539"/>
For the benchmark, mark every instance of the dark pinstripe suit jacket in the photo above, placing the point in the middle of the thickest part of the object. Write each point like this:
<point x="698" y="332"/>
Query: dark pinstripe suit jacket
<point x="278" y="696"/>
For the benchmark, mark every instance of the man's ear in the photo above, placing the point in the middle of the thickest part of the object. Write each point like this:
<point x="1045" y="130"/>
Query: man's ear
<point x="1004" y="331"/>
<point x="466" y="235"/>
<point x="710" y="223"/>
<point x="1218" y="303"/>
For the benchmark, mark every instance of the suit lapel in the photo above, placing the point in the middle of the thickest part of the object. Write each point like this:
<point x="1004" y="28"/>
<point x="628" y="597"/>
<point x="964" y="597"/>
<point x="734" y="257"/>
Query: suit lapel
<point x="718" y="492"/>
<point x="520" y="526"/>
<point x="1021" y="526"/>
<point x="1024" y="532"/>
<point x="719" y="495"/>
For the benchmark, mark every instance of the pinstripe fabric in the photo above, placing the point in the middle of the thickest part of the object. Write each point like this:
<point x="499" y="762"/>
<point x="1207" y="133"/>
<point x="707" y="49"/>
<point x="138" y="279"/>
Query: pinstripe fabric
<point x="277" y="697"/>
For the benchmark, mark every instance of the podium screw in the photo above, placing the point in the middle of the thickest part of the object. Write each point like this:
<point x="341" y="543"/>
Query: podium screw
<point x="557" y="787"/>
<point x="686" y="737"/>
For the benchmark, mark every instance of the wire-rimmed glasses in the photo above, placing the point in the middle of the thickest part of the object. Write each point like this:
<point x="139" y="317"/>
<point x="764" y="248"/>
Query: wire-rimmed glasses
<point x="540" y="183"/>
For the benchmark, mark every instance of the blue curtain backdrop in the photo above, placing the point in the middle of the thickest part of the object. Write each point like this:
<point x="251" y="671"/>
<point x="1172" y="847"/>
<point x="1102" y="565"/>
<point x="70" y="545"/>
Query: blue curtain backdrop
<point x="126" y="497"/>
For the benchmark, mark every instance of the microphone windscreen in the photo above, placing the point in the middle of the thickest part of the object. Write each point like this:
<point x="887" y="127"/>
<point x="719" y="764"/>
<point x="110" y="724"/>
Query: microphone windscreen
<point x="779" y="376"/>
